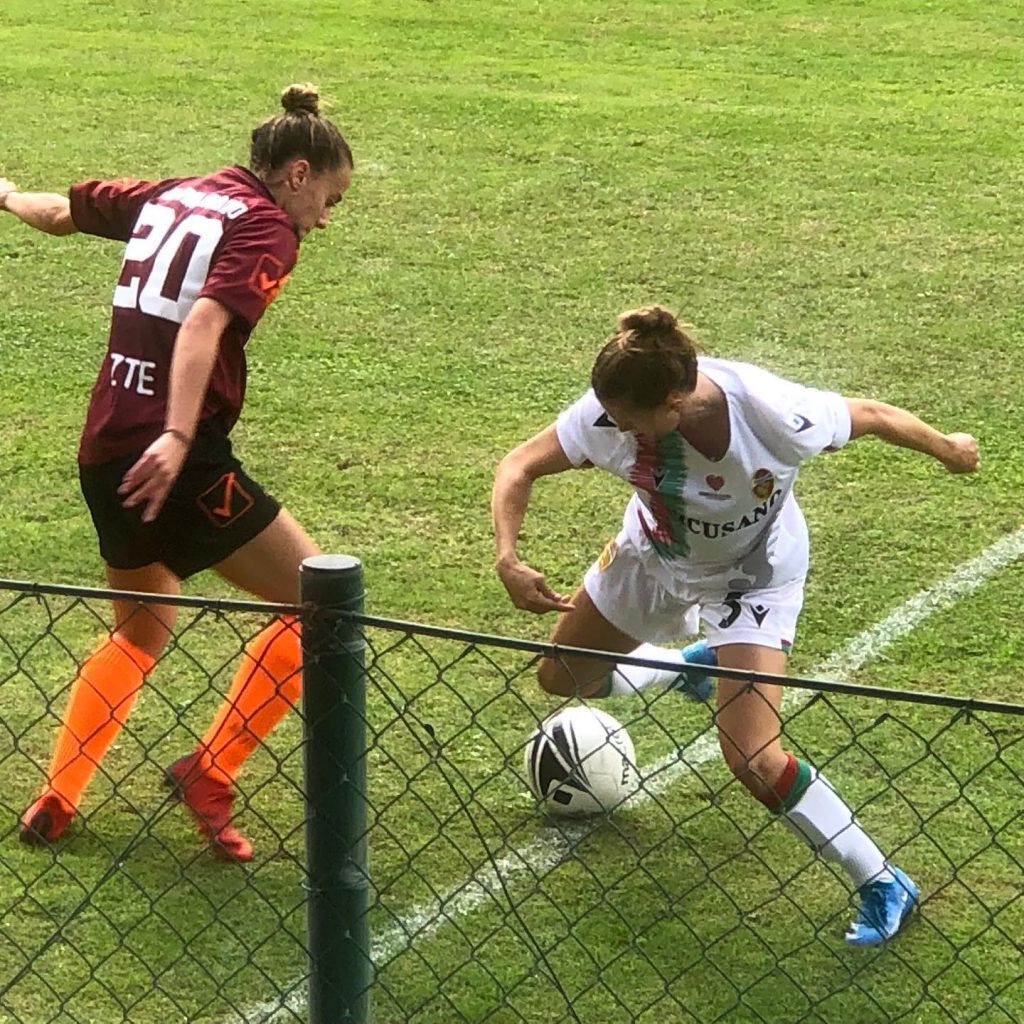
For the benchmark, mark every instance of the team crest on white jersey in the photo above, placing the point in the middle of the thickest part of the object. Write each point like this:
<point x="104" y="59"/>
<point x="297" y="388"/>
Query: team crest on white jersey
<point x="762" y="483"/>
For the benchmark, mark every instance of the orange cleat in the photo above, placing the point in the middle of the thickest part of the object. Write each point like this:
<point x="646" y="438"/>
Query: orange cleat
<point x="45" y="821"/>
<point x="210" y="801"/>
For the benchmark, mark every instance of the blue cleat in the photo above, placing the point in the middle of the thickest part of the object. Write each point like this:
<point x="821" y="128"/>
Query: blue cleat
<point x="884" y="907"/>
<point x="697" y="685"/>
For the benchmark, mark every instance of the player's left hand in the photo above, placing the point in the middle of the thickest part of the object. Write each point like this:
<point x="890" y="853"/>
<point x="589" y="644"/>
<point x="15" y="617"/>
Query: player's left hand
<point x="530" y="591"/>
<point x="151" y="477"/>
<point x="962" y="454"/>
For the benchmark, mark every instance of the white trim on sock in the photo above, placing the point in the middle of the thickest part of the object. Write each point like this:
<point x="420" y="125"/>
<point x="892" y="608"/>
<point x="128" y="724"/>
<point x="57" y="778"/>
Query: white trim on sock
<point x="627" y="679"/>
<point x="822" y="819"/>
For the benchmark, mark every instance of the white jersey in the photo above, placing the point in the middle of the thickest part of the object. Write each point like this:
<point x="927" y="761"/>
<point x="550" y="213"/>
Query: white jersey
<point x="701" y="512"/>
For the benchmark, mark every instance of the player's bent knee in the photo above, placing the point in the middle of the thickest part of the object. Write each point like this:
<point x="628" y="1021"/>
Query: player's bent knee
<point x="555" y="679"/>
<point x="147" y="633"/>
<point x="757" y="771"/>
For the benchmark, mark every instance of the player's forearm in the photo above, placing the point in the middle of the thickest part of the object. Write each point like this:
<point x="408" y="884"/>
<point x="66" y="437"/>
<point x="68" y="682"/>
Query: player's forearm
<point x="509" y="501"/>
<point x="195" y="353"/>
<point x="44" y="211"/>
<point x="899" y="427"/>
<point x="542" y="455"/>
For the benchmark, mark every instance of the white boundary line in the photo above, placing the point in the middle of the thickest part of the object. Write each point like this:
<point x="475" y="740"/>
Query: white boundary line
<point x="553" y="845"/>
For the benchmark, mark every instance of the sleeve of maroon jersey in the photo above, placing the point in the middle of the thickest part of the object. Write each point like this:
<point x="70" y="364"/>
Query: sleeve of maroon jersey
<point x="109" y="208"/>
<point x="252" y="266"/>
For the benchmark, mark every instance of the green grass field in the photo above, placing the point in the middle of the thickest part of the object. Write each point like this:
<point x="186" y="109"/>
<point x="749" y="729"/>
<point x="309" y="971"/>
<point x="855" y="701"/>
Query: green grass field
<point x="830" y="190"/>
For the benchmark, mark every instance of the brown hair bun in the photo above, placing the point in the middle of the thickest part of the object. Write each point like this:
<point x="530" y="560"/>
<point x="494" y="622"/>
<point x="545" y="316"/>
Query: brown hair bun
<point x="648" y="319"/>
<point x="301" y="98"/>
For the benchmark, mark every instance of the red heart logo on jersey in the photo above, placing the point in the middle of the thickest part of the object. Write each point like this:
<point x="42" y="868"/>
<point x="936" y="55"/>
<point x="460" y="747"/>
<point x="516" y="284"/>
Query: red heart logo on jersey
<point x="716" y="483"/>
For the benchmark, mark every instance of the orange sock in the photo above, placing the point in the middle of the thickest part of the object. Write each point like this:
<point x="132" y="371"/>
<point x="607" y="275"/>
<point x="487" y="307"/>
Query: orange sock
<point x="267" y="684"/>
<point x="102" y="697"/>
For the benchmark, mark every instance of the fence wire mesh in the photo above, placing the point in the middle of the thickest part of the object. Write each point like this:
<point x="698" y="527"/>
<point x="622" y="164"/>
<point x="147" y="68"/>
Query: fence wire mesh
<point x="688" y="903"/>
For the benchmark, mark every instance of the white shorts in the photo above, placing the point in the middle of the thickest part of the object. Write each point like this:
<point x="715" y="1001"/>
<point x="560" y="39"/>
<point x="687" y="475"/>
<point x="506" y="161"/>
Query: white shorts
<point x="639" y="593"/>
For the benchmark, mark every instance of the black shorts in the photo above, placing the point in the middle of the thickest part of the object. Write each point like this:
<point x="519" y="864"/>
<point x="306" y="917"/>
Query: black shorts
<point x="213" y="509"/>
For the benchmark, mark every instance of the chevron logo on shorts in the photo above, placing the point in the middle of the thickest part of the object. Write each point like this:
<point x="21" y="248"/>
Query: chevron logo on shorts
<point x="226" y="501"/>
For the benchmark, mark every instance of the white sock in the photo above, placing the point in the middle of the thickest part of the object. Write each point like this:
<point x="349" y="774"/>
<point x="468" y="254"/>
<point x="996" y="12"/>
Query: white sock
<point x="625" y="679"/>
<point x="822" y="819"/>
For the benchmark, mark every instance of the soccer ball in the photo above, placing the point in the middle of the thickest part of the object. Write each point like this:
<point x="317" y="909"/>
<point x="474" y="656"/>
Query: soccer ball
<point x="580" y="761"/>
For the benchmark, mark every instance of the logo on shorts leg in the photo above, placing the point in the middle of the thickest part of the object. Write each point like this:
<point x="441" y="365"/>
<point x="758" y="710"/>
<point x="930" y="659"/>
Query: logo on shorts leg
<point x="611" y="549"/>
<point x="226" y="501"/>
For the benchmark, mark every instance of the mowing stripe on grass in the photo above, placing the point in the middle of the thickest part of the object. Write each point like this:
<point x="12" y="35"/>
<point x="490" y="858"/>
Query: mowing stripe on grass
<point x="554" y="844"/>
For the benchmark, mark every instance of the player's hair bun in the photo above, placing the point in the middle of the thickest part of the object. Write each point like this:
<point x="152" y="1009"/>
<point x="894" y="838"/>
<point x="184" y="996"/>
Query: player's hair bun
<point x="653" y="319"/>
<point x="301" y="99"/>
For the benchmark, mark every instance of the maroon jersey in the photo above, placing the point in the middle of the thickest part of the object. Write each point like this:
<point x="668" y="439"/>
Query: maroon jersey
<point x="220" y="235"/>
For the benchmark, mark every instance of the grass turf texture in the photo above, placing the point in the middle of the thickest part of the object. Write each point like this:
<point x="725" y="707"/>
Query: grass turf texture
<point x="829" y="190"/>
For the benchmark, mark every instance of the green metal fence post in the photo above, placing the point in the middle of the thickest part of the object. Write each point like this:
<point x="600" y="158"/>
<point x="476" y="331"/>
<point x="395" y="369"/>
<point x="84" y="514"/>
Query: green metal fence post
<point x="334" y="712"/>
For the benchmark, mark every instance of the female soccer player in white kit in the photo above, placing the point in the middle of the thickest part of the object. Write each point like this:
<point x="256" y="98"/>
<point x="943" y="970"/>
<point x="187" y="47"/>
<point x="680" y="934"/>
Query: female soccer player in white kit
<point x="712" y="449"/>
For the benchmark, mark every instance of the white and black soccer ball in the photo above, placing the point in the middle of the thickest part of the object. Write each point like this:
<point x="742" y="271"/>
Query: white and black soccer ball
<point x="580" y="761"/>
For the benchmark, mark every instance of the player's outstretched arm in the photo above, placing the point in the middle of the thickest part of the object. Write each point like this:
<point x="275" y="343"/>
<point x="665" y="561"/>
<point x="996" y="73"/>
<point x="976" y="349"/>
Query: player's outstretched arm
<point x="541" y="456"/>
<point x="957" y="452"/>
<point x="44" y="211"/>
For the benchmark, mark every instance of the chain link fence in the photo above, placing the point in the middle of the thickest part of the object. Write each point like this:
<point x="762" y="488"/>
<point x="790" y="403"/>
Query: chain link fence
<point x="687" y="904"/>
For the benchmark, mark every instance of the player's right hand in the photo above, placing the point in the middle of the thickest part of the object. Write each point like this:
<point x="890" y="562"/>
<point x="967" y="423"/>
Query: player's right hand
<point x="529" y="591"/>
<point x="963" y="456"/>
<point x="150" y="479"/>
<point x="6" y="188"/>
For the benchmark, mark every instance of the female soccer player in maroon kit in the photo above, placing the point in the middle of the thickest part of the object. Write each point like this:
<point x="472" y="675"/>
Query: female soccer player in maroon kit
<point x="205" y="256"/>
